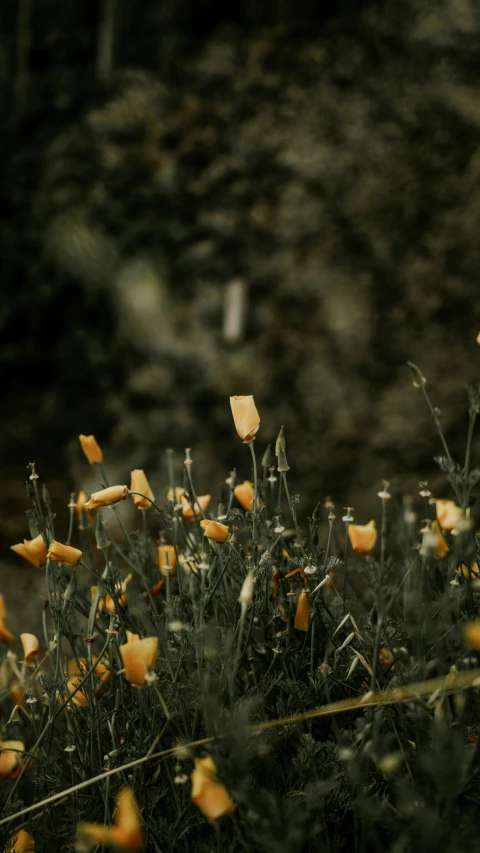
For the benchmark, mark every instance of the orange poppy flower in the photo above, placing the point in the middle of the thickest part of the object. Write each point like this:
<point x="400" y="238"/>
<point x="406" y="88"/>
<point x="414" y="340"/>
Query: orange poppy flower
<point x="80" y="699"/>
<point x="471" y="635"/>
<point x="138" y="658"/>
<point x="301" y="613"/>
<point x="433" y="543"/>
<point x="91" y="449"/>
<point x="11" y="760"/>
<point x="107" y="497"/>
<point x="245" y="494"/>
<point x="30" y="647"/>
<point x="21" y="842"/>
<point x="66" y="554"/>
<point x="34" y="550"/>
<point x="211" y="797"/>
<point x="215" y="530"/>
<point x="449" y="514"/>
<point x="80" y="504"/>
<point x="108" y="603"/>
<point x="362" y="537"/>
<point x="203" y="502"/>
<point x="139" y="483"/>
<point x="81" y="667"/>
<point x="6" y="636"/>
<point x="126" y="833"/>
<point x="245" y="417"/>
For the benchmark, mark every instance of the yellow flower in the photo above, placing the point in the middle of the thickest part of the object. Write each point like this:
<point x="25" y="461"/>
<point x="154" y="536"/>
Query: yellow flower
<point x="30" y="647"/>
<point x="79" y="698"/>
<point x="139" y="483"/>
<point x="449" y="514"/>
<point x="471" y="635"/>
<point x="107" y="497"/>
<point x="91" y="449"/>
<point x="66" y="554"/>
<point x="108" y="603"/>
<point x="6" y="636"/>
<point x="138" y="657"/>
<point x="211" y="797"/>
<point x="34" y="550"/>
<point x="21" y="842"/>
<point x="10" y="759"/>
<point x="245" y="417"/>
<point x="126" y="833"/>
<point x="166" y="557"/>
<point x="81" y="667"/>
<point x="362" y="537"/>
<point x="203" y="502"/>
<point x="244" y="494"/>
<point x="433" y="542"/>
<point x="301" y="613"/>
<point x="215" y="530"/>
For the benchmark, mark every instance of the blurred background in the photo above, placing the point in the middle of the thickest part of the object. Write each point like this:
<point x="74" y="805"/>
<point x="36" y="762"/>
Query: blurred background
<point x="203" y="199"/>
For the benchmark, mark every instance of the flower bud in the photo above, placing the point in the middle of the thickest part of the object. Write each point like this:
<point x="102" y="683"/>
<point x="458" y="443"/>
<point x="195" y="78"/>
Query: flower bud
<point x="245" y="417"/>
<point x="66" y="554"/>
<point x="6" y="636"/>
<point x="215" y="530"/>
<point x="139" y="483"/>
<point x="21" y="842"/>
<point x="34" y="550"/>
<point x="280" y="451"/>
<point x="246" y="592"/>
<point x="91" y="449"/>
<point x="107" y="497"/>
<point x="166" y="560"/>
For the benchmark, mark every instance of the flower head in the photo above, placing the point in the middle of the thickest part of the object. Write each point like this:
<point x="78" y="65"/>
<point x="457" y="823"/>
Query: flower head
<point x="139" y="483"/>
<point x="108" y="603"/>
<point x="11" y="758"/>
<point x="126" y="833"/>
<point x="245" y="417"/>
<point x="91" y="449"/>
<point x="34" y="550"/>
<point x="138" y="657"/>
<point x="21" y="842"/>
<point x="245" y="494"/>
<point x="246" y="592"/>
<point x="6" y="636"/>
<point x="362" y="537"/>
<point x="215" y="530"/>
<point x="448" y="514"/>
<point x="211" y="797"/>
<point x="471" y="635"/>
<point x="30" y="647"/>
<point x="107" y="497"/>
<point x="66" y="554"/>
<point x="202" y="504"/>
<point x="301" y="613"/>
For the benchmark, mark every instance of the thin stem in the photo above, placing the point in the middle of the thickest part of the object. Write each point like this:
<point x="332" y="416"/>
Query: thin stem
<point x="255" y="501"/>
<point x="292" y="510"/>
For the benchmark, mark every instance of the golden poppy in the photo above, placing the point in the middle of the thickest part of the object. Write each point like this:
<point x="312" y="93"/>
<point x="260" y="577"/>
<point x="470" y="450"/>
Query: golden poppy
<point x="107" y="497"/>
<point x="301" y="613"/>
<point x="211" y="797"/>
<point x="81" y="667"/>
<point x="91" y="449"/>
<point x="449" y="514"/>
<point x="139" y="483"/>
<point x="6" y="635"/>
<point x="245" y="417"/>
<point x="109" y="603"/>
<point x="215" y="530"/>
<point x="471" y="635"/>
<point x="138" y="657"/>
<point x="30" y="647"/>
<point x="433" y="542"/>
<point x="11" y="760"/>
<point x="80" y="504"/>
<point x="34" y="550"/>
<point x="79" y="698"/>
<point x="66" y="554"/>
<point x="362" y="537"/>
<point x="203" y="502"/>
<point x="166" y="560"/>
<point x="126" y="833"/>
<point x="21" y="842"/>
<point x="245" y="494"/>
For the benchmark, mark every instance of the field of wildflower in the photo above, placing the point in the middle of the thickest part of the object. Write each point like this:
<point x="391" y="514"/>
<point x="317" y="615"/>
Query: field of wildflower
<point x="229" y="676"/>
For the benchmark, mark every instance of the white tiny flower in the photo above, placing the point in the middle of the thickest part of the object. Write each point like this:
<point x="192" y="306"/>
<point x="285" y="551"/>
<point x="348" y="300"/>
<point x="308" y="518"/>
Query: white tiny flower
<point x="310" y="570"/>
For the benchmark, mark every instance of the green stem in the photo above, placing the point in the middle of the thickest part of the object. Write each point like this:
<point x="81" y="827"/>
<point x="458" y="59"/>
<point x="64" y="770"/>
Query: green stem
<point x="255" y="500"/>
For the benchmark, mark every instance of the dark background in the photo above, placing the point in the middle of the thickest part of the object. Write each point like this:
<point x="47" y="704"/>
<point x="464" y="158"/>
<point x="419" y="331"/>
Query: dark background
<point x="325" y="155"/>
